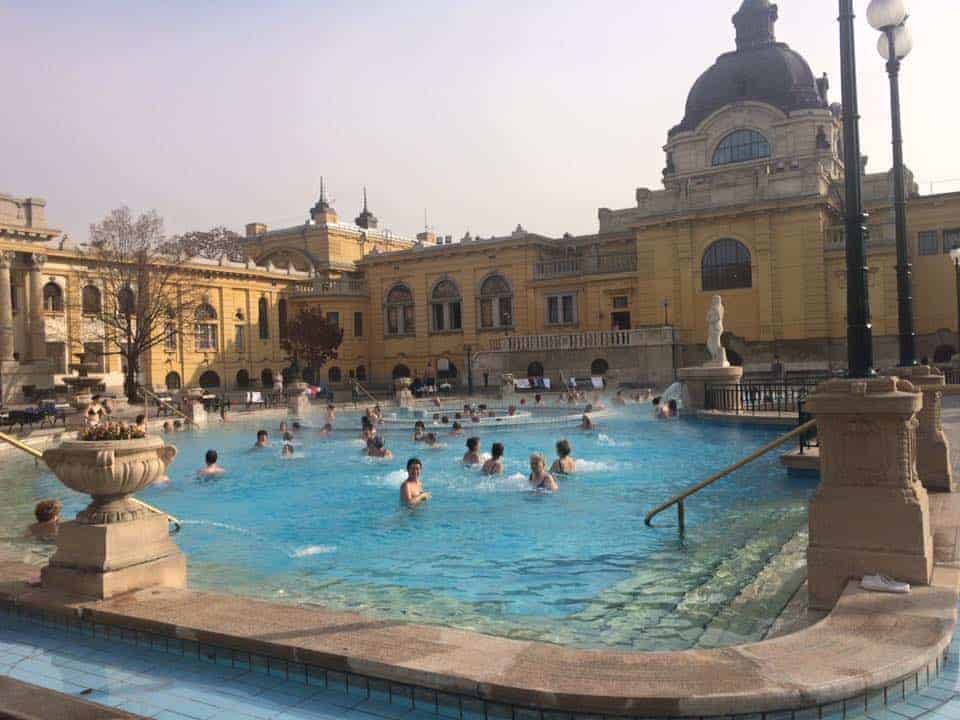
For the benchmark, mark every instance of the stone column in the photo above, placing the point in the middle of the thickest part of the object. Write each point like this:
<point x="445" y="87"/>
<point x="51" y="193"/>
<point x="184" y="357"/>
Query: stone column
<point x="6" y="308"/>
<point x="38" y="346"/>
<point x="298" y="402"/>
<point x="933" y="449"/>
<point x="870" y="513"/>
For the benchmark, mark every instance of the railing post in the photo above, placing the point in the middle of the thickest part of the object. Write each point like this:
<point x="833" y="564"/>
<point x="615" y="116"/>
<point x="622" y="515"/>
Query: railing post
<point x="680" y="518"/>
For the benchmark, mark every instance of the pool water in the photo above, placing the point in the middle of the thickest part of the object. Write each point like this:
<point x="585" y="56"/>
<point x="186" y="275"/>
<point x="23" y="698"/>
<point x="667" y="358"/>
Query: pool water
<point x="578" y="567"/>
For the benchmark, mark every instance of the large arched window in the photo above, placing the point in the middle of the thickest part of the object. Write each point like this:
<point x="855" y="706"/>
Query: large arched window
<point x="266" y="378"/>
<point x="90" y="300"/>
<point x="52" y="297"/>
<point x="263" y="319"/>
<point x="206" y="328"/>
<point x="126" y="302"/>
<point x="172" y="381"/>
<point x="535" y="369"/>
<point x="726" y="266"/>
<point x="496" y="303"/>
<point x="400" y="311"/>
<point x="334" y="375"/>
<point x="599" y="367"/>
<point x="741" y="146"/>
<point x="361" y="373"/>
<point x="445" y="307"/>
<point x="243" y="379"/>
<point x="282" y="318"/>
<point x="209" y="379"/>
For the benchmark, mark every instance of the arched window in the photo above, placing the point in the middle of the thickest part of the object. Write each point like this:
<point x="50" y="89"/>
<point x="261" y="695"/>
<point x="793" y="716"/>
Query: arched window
<point x="726" y="266"/>
<point x="172" y="381"/>
<point x="599" y="367"/>
<point x="361" y="373"/>
<point x="445" y="307"/>
<point x="400" y="311"/>
<point x="263" y="319"/>
<point x="206" y="328"/>
<point x="209" y="379"/>
<point x="52" y="297"/>
<point x="126" y="302"/>
<point x="535" y="369"/>
<point x="943" y="353"/>
<point x="334" y="375"/>
<point x="309" y="375"/>
<point x="90" y="300"/>
<point x="400" y="371"/>
<point x="243" y="379"/>
<point x="282" y="318"/>
<point x="496" y="303"/>
<point x="741" y="146"/>
<point x="266" y="378"/>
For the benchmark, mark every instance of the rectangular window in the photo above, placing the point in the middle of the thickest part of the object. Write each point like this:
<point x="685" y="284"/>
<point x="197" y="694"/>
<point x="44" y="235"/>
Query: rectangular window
<point x="620" y="301"/>
<point x="393" y="320"/>
<point x="561" y="309"/>
<point x="358" y="324"/>
<point x="170" y="337"/>
<point x="333" y="318"/>
<point x="57" y="355"/>
<point x="553" y="310"/>
<point x="206" y="337"/>
<point x="455" y="316"/>
<point x="238" y="339"/>
<point x="437" y="309"/>
<point x="928" y="244"/>
<point x="951" y="239"/>
<point x="567" y="309"/>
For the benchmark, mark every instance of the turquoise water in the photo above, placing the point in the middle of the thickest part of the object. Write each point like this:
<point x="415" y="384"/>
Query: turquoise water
<point x="578" y="567"/>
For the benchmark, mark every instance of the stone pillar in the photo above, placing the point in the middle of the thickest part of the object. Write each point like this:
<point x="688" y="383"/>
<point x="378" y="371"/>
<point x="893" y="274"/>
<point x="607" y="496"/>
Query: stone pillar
<point x="298" y="402"/>
<point x="38" y="344"/>
<point x="870" y="513"/>
<point x="933" y="449"/>
<point x="696" y="379"/>
<point x="6" y="308"/>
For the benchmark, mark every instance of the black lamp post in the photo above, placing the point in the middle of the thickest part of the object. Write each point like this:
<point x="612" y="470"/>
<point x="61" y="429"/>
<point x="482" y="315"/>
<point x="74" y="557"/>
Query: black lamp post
<point x="859" y="329"/>
<point x="890" y="17"/>
<point x="666" y="304"/>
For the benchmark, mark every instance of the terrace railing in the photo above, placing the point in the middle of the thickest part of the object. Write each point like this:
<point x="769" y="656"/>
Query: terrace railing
<point x="642" y="337"/>
<point x="752" y="398"/>
<point x="585" y="265"/>
<point x="329" y="288"/>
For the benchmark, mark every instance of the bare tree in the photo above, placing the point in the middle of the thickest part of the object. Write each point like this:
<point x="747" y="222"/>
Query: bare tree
<point x="146" y="288"/>
<point x="311" y="339"/>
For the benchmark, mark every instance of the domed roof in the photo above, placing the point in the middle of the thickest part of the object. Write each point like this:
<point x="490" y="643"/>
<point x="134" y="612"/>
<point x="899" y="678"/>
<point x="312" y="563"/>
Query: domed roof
<point x="760" y="69"/>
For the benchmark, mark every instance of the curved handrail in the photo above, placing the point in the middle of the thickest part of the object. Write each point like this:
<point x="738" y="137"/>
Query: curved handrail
<point x="678" y="499"/>
<point x="37" y="454"/>
<point x="163" y="402"/>
<point x="366" y="392"/>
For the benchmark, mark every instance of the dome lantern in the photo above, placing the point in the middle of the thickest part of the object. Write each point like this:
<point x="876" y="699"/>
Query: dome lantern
<point x="755" y="21"/>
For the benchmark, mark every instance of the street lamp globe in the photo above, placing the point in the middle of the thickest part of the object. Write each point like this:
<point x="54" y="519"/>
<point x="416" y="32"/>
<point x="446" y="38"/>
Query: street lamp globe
<point x="902" y="40"/>
<point x="883" y="14"/>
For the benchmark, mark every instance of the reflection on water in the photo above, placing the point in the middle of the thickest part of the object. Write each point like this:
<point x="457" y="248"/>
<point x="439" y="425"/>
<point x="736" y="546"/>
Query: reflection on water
<point x="578" y="567"/>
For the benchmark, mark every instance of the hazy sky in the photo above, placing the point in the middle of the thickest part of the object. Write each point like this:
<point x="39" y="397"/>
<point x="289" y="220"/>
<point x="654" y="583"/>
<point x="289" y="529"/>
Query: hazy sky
<point x="486" y="114"/>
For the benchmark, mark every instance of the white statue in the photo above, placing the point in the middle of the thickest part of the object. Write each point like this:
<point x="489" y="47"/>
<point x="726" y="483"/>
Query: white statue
<point x="718" y="354"/>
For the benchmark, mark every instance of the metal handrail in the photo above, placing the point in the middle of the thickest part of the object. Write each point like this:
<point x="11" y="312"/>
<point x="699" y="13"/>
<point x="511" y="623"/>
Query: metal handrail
<point x="161" y="401"/>
<point x="366" y="392"/>
<point x="678" y="499"/>
<point x="39" y="455"/>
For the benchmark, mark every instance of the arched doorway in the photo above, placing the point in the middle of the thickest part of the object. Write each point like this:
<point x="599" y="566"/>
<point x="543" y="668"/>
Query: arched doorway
<point x="535" y="369"/>
<point x="599" y="367"/>
<point x="172" y="381"/>
<point x="266" y="378"/>
<point x="400" y="371"/>
<point x="209" y="380"/>
<point x="243" y="379"/>
<point x="334" y="375"/>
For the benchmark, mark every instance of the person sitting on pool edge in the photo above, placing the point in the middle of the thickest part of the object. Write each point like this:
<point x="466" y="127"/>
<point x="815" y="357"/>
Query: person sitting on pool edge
<point x="47" y="513"/>
<point x="263" y="440"/>
<point x="376" y="449"/>
<point x="412" y="493"/>
<point x="564" y="464"/>
<point x="494" y="466"/>
<point x="472" y="455"/>
<point x="540" y="479"/>
<point x="210" y="469"/>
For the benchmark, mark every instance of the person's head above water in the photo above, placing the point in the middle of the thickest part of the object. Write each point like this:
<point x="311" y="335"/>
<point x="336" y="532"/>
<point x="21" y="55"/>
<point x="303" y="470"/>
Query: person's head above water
<point x="419" y="425"/>
<point x="414" y="468"/>
<point x="497" y="450"/>
<point x="287" y="449"/>
<point x="211" y="457"/>
<point x="296" y="425"/>
<point x="261" y="436"/>
<point x="473" y="444"/>
<point x="457" y="426"/>
<point x="47" y="510"/>
<point x="537" y="461"/>
<point x="656" y="400"/>
<point x="563" y="448"/>
<point x="588" y="408"/>
<point x="287" y="436"/>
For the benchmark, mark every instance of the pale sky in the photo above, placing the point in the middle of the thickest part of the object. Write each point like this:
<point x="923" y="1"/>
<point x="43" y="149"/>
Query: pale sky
<point x="484" y="114"/>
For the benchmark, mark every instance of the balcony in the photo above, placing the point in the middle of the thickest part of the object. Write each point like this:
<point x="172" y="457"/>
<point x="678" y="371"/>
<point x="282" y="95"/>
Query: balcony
<point x="331" y="288"/>
<point x="642" y="337"/>
<point x="585" y="265"/>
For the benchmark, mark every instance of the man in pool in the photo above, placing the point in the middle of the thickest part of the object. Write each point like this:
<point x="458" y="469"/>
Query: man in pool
<point x="210" y="468"/>
<point x="540" y="479"/>
<point x="431" y="441"/>
<point x="287" y="450"/>
<point x="456" y="430"/>
<point x="263" y="440"/>
<point x="564" y="464"/>
<point x="331" y="414"/>
<point x="419" y="431"/>
<point x="472" y="455"/>
<point x="167" y="427"/>
<point x="326" y="430"/>
<point x="47" y="513"/>
<point x="494" y="466"/>
<point x="586" y="423"/>
<point x="376" y="449"/>
<point x="412" y="493"/>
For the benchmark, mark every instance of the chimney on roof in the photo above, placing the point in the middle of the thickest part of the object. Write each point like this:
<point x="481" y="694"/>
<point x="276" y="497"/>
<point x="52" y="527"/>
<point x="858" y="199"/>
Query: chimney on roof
<point x="255" y="228"/>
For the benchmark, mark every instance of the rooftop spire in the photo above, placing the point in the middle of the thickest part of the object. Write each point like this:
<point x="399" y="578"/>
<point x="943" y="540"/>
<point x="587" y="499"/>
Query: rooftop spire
<point x="366" y="219"/>
<point x="323" y="210"/>
<point x="755" y="22"/>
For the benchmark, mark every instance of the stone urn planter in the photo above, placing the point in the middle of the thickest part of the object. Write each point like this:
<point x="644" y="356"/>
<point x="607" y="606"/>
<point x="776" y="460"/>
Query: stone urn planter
<point x="110" y="471"/>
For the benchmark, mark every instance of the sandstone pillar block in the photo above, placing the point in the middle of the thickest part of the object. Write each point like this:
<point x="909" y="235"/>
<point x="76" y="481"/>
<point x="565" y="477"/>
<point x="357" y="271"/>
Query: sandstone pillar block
<point x="933" y="448"/>
<point x="6" y="308"/>
<point x="696" y="380"/>
<point x="870" y="513"/>
<point x="38" y="344"/>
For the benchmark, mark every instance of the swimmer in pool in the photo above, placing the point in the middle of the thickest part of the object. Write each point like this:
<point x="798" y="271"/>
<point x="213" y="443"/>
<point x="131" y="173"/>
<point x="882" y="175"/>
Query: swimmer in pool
<point x="47" y="513"/>
<point x="287" y="450"/>
<point x="456" y="430"/>
<point x="586" y="423"/>
<point x="367" y="430"/>
<point x="210" y="468"/>
<point x="288" y="437"/>
<point x="263" y="440"/>
<point x="167" y="427"/>
<point x="619" y="399"/>
<point x="472" y="455"/>
<point x="430" y="440"/>
<point x="494" y="466"/>
<point x="283" y="426"/>
<point x="326" y="430"/>
<point x="419" y="431"/>
<point x="412" y="493"/>
<point x="331" y="415"/>
<point x="377" y="449"/>
<point x="540" y="479"/>
<point x="564" y="464"/>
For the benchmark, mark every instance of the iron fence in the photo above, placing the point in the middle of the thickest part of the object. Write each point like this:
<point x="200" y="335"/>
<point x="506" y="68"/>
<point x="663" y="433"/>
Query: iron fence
<point x="755" y="398"/>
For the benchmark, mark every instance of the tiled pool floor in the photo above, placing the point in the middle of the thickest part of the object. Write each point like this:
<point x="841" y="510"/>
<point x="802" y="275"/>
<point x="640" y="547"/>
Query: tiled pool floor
<point x="158" y="684"/>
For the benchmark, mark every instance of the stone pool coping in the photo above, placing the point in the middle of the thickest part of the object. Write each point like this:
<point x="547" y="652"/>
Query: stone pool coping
<point x="866" y="643"/>
<point x="22" y="701"/>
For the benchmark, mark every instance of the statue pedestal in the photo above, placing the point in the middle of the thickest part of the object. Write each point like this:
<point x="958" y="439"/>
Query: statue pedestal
<point x="696" y="380"/>
<point x="933" y="449"/>
<point x="870" y="513"/>
<point x="298" y="401"/>
<point x="101" y="561"/>
<point x="508" y="388"/>
<point x="11" y="386"/>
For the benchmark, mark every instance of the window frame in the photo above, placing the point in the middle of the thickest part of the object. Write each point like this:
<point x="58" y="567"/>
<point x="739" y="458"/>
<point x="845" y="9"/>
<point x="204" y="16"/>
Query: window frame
<point x="53" y="302"/>
<point x="757" y="144"/>
<point x="931" y="249"/>
<point x="87" y="309"/>
<point x="446" y="311"/>
<point x="206" y="329"/>
<point x="399" y="314"/>
<point x="730" y="274"/>
<point x="559" y="300"/>
<point x="357" y="323"/>
<point x="951" y="239"/>
<point x="498" y="304"/>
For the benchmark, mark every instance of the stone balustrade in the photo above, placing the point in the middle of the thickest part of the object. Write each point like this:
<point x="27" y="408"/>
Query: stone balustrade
<point x="586" y="265"/>
<point x="328" y="288"/>
<point x="642" y="337"/>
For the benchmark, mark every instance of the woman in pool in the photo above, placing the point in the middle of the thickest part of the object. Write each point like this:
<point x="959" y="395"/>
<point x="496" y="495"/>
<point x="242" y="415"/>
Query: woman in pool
<point x="586" y="423"/>
<point x="376" y="449"/>
<point x="47" y="513"/>
<point x="494" y="466"/>
<point x="540" y="479"/>
<point x="419" y="431"/>
<point x="412" y="493"/>
<point x="287" y="450"/>
<point x="564" y="464"/>
<point x="472" y="455"/>
<point x="331" y="415"/>
<point x="367" y="430"/>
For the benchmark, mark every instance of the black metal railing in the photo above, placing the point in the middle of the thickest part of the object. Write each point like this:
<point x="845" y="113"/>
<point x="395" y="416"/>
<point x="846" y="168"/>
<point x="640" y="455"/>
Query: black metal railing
<point x="808" y="439"/>
<point x="755" y="398"/>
